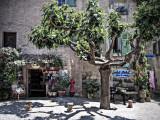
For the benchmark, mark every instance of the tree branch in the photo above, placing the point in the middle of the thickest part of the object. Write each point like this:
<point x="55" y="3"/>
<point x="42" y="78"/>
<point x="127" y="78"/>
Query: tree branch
<point x="99" y="59"/>
<point x="99" y="63"/>
<point x="128" y="56"/>
<point x="108" y="53"/>
<point x="92" y="47"/>
<point x="61" y="27"/>
<point x="75" y="45"/>
<point x="72" y="46"/>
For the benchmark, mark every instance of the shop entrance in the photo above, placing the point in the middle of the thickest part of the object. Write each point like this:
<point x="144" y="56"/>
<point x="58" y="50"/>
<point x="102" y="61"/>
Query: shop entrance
<point x="36" y="83"/>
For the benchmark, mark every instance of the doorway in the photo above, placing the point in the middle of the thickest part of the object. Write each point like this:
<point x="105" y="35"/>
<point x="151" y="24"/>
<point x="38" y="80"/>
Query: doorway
<point x="36" y="83"/>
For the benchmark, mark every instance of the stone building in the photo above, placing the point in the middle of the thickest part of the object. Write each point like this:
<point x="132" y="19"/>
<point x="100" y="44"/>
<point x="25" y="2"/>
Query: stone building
<point x="18" y="16"/>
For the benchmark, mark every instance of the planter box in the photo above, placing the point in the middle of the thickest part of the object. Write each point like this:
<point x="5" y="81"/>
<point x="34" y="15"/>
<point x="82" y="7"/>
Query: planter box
<point x="61" y="93"/>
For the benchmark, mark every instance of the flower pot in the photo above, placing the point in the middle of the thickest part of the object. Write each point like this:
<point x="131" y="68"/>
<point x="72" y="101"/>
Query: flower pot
<point x="142" y="95"/>
<point x="29" y="106"/>
<point x="54" y="94"/>
<point x="49" y="94"/>
<point x="61" y="93"/>
<point x="148" y="99"/>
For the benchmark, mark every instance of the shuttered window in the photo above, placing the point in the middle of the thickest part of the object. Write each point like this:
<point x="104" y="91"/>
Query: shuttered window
<point x="71" y="3"/>
<point x="125" y="46"/>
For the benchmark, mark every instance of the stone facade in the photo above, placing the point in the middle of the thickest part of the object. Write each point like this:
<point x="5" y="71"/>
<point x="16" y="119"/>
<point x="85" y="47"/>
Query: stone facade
<point x="154" y="63"/>
<point x="20" y="15"/>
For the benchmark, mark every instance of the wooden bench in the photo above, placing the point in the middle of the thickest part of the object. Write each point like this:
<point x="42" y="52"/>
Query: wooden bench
<point x="15" y="91"/>
<point x="129" y="91"/>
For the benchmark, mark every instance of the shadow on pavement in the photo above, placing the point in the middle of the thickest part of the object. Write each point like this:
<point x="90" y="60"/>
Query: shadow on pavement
<point x="18" y="108"/>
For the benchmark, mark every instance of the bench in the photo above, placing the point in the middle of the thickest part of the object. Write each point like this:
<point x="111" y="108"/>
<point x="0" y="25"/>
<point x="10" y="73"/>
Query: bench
<point x="128" y="91"/>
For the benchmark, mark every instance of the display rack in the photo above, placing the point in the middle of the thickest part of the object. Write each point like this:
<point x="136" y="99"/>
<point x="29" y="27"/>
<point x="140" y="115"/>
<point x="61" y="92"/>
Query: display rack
<point x="51" y="79"/>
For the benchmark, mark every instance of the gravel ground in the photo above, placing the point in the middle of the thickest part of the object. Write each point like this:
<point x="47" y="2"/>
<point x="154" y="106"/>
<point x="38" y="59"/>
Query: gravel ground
<point x="83" y="109"/>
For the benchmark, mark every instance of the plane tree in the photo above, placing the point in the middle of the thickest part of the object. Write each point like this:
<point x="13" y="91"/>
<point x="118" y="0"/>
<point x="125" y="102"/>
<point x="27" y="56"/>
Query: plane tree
<point x="84" y="32"/>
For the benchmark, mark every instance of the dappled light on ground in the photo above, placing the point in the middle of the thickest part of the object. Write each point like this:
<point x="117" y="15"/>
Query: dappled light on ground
<point x="83" y="109"/>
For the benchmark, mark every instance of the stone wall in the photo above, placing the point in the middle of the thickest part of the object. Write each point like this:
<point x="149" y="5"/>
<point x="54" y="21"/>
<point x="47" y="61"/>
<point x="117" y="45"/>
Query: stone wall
<point x="154" y="63"/>
<point x="19" y="16"/>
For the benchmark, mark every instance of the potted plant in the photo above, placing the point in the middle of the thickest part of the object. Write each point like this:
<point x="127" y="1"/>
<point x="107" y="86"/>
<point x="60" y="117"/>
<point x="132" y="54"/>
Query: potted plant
<point x="54" y="91"/>
<point x="63" y="83"/>
<point x="142" y="80"/>
<point x="91" y="86"/>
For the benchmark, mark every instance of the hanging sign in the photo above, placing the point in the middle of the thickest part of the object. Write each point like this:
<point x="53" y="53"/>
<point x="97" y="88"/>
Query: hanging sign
<point x="121" y="73"/>
<point x="150" y="55"/>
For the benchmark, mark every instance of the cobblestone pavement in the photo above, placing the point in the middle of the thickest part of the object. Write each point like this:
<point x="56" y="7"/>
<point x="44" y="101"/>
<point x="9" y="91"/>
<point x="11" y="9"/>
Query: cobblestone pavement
<point x="83" y="109"/>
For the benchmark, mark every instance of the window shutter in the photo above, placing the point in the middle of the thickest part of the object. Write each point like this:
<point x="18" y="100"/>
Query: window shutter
<point x="71" y="3"/>
<point x="125" y="46"/>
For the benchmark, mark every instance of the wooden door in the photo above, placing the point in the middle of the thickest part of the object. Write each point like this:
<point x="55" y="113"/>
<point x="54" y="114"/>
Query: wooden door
<point x="10" y="40"/>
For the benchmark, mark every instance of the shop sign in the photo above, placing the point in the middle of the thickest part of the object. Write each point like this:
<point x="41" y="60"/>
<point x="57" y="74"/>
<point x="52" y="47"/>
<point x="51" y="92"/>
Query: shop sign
<point x="150" y="55"/>
<point x="121" y="73"/>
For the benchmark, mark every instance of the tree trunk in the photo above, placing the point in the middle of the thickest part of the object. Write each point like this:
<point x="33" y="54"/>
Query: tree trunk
<point x="105" y="88"/>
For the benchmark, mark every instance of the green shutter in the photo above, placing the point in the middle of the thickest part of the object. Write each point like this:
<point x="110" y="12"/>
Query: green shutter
<point x="125" y="46"/>
<point x="71" y="3"/>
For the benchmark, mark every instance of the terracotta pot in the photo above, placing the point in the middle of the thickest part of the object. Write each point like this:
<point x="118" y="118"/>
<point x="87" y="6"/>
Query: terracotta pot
<point x="148" y="99"/>
<point x="29" y="106"/>
<point x="61" y="93"/>
<point x="142" y="95"/>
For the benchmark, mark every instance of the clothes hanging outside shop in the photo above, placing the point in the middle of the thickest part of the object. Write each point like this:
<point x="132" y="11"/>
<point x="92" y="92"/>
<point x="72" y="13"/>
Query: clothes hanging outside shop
<point x="151" y="79"/>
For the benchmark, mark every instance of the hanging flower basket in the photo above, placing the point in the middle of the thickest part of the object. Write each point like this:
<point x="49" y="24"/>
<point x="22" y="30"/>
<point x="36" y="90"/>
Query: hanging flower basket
<point x="35" y="66"/>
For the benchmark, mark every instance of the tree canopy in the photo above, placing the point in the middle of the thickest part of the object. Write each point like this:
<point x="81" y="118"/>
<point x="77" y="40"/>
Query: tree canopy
<point x="62" y="25"/>
<point x="85" y="31"/>
<point x="147" y="20"/>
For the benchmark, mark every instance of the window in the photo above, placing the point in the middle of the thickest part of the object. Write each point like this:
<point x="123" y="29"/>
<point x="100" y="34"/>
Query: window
<point x="61" y="2"/>
<point x="9" y="39"/>
<point x="120" y="45"/>
<point x="120" y="6"/>
<point x="71" y="3"/>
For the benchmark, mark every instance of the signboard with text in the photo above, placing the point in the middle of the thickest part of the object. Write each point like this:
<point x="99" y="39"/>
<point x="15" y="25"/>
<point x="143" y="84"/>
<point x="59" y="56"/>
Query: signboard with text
<point x="121" y="73"/>
<point x="150" y="55"/>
